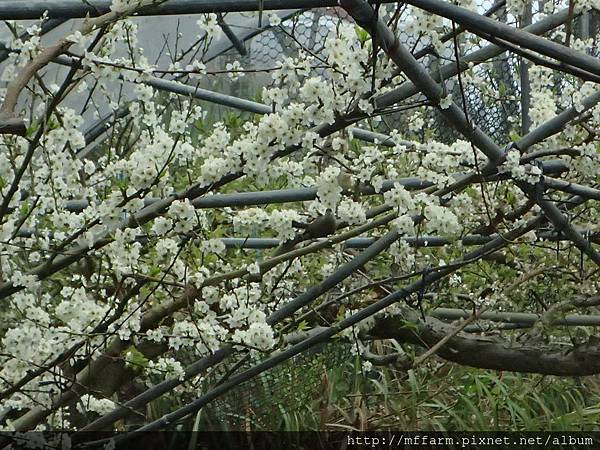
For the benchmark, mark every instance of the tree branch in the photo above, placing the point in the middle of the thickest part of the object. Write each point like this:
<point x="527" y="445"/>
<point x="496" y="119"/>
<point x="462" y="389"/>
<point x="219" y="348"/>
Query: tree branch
<point x="491" y="353"/>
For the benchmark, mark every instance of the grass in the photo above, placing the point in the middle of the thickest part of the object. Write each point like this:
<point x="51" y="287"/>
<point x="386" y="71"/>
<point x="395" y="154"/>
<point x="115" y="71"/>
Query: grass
<point x="438" y="397"/>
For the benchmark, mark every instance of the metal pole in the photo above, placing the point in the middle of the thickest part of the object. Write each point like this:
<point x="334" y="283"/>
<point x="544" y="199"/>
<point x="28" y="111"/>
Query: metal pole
<point x="524" y="77"/>
<point x="515" y="317"/>
<point x="484" y="26"/>
<point x="72" y="9"/>
<point x="254" y="198"/>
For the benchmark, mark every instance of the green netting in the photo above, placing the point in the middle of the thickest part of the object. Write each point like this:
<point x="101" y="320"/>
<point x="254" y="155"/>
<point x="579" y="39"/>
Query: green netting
<point x="261" y="402"/>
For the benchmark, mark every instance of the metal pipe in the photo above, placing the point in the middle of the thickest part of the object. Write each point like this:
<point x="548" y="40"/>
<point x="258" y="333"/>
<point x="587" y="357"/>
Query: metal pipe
<point x="421" y="241"/>
<point x="524" y="77"/>
<point x="239" y="199"/>
<point x="72" y="9"/>
<point x="483" y="26"/>
<point x="515" y="317"/>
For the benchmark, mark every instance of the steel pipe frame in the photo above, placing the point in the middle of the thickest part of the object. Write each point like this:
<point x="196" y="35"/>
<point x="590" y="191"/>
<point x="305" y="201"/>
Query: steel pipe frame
<point x="100" y="241"/>
<point x="204" y="363"/>
<point x="421" y="241"/>
<point x="402" y="92"/>
<point x="365" y="16"/>
<point x="322" y="337"/>
<point x="387" y="99"/>
<point x="153" y="210"/>
<point x="256" y="243"/>
<point x="274" y="360"/>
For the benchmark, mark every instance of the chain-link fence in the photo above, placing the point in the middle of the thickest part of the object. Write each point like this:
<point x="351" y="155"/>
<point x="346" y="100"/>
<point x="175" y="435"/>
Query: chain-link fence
<point x="309" y="30"/>
<point x="276" y="398"/>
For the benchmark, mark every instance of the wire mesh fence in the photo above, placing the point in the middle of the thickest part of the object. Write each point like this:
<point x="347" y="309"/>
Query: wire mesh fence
<point x="307" y="31"/>
<point x="269" y="400"/>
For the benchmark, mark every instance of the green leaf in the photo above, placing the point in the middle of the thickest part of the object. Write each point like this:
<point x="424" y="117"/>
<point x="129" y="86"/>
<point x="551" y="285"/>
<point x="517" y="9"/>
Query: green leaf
<point x="362" y="34"/>
<point x="303" y="326"/>
<point x="135" y="359"/>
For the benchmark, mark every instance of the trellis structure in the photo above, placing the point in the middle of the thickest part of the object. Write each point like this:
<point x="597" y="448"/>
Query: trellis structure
<point x="428" y="79"/>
